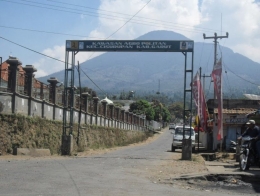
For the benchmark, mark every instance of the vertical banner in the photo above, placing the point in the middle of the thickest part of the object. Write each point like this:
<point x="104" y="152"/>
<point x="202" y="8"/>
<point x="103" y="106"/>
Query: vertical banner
<point x="217" y="78"/>
<point x="199" y="99"/>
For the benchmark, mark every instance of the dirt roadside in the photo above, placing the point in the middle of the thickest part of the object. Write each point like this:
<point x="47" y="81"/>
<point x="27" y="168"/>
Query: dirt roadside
<point x="165" y="170"/>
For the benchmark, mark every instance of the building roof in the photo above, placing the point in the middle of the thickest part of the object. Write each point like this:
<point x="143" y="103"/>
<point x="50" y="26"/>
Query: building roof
<point x="107" y="100"/>
<point x="236" y="110"/>
<point x="252" y="96"/>
<point x="4" y="75"/>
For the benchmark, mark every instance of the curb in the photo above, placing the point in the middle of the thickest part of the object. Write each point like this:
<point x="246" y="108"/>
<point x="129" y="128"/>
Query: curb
<point x="32" y="152"/>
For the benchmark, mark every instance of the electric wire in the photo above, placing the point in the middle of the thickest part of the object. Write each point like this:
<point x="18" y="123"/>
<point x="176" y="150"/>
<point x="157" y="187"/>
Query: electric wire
<point x="119" y="29"/>
<point x="241" y="77"/>
<point x="85" y="36"/>
<point x="201" y="51"/>
<point x="48" y="57"/>
<point x="125" y="14"/>
<point x="91" y="54"/>
<point x="183" y="28"/>
<point x="227" y="82"/>
<point x="49" y="32"/>
<point x="123" y="25"/>
<point x="209" y="58"/>
<point x="238" y="75"/>
<point x="206" y="96"/>
<point x="129" y="19"/>
<point x="207" y="69"/>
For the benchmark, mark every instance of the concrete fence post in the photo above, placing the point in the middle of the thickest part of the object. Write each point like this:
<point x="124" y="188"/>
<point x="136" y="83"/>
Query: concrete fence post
<point x="53" y="93"/>
<point x="12" y="78"/>
<point x="104" y="105"/>
<point x="111" y="112"/>
<point x="123" y="118"/>
<point x="28" y="84"/>
<point x="86" y="97"/>
<point x="117" y="116"/>
<point x="96" y="99"/>
<point x="127" y="119"/>
<point x="131" y="120"/>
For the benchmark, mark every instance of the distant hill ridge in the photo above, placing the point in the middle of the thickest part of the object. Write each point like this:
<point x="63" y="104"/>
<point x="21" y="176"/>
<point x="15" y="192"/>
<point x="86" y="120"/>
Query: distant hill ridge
<point x="141" y="71"/>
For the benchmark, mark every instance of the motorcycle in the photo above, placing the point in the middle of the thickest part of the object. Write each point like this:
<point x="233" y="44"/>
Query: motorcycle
<point x="248" y="156"/>
<point x="233" y="146"/>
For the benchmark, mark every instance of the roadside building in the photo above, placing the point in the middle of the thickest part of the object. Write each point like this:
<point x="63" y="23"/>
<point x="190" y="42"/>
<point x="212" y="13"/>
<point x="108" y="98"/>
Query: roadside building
<point x="235" y="115"/>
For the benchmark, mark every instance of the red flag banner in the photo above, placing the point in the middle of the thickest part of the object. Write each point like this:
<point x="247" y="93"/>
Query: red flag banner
<point x="217" y="79"/>
<point x="199" y="99"/>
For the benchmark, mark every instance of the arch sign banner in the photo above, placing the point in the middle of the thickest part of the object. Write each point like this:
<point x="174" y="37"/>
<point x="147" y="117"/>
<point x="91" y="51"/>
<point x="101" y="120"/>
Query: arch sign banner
<point x="130" y="45"/>
<point x="75" y="46"/>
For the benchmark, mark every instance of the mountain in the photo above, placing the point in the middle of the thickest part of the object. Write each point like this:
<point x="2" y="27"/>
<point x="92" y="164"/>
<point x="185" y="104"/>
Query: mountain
<point x="144" y="71"/>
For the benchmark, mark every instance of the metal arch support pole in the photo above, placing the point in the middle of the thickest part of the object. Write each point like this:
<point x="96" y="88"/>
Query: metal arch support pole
<point x="192" y="62"/>
<point x="65" y="94"/>
<point x="67" y="140"/>
<point x="187" y="143"/>
<point x="1" y="74"/>
<point x="72" y="91"/>
<point x="184" y="95"/>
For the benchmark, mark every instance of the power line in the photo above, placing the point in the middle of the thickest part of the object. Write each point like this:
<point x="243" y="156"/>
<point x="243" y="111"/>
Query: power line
<point x="31" y="49"/>
<point x="129" y="19"/>
<point x="175" y="26"/>
<point x="93" y="81"/>
<point x="201" y="51"/>
<point x="208" y="90"/>
<point x="236" y="74"/>
<point x="41" y="31"/>
<point x="242" y="77"/>
<point x="209" y="58"/>
<point x="64" y="62"/>
<point x="227" y="83"/>
<point x="125" y="14"/>
<point x="123" y="25"/>
<point x="48" y="57"/>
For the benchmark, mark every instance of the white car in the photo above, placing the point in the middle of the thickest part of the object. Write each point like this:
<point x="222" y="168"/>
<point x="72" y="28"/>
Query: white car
<point x="171" y="126"/>
<point x="178" y="136"/>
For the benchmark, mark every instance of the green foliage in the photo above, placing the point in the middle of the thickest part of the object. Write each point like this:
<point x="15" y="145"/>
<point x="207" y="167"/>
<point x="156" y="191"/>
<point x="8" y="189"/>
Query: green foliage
<point x="143" y="107"/>
<point x="176" y="110"/>
<point x="153" y="111"/>
<point x="150" y="113"/>
<point x="166" y="116"/>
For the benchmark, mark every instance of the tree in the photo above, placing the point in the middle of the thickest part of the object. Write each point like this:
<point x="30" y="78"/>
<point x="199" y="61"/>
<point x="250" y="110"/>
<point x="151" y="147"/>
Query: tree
<point x="161" y="112"/>
<point x="176" y="110"/>
<point x="142" y="107"/>
<point x="166" y="116"/>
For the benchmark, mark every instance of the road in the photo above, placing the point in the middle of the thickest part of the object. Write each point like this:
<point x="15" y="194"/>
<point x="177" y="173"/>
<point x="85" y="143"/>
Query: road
<point x="122" y="172"/>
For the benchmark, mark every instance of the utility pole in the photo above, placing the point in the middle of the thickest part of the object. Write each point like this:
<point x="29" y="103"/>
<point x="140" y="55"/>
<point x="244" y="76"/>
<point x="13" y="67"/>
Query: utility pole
<point x="1" y="73"/>
<point x="199" y="119"/>
<point x="204" y="76"/>
<point x="215" y="43"/>
<point x="215" y="37"/>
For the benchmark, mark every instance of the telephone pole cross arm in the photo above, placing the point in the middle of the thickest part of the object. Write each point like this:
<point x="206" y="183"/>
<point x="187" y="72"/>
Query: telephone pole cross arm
<point x="215" y="37"/>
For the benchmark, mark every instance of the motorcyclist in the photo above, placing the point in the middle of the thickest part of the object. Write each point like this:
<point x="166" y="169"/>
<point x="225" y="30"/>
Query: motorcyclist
<point x="258" y="145"/>
<point x="253" y="131"/>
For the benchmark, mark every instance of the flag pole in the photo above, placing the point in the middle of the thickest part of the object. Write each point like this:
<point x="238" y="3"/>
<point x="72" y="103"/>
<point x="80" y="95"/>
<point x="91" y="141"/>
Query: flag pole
<point x="199" y="124"/>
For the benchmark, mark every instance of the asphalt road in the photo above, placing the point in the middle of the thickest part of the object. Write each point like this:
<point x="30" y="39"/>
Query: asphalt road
<point x="120" y="172"/>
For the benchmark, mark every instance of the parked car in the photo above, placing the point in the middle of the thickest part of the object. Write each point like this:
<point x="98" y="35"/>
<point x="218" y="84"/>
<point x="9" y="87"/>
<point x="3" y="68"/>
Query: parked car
<point x="178" y="136"/>
<point x="171" y="126"/>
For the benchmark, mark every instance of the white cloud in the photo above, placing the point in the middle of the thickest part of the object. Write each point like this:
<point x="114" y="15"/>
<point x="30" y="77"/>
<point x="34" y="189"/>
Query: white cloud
<point x="46" y="66"/>
<point x="239" y="18"/>
<point x="169" y="15"/>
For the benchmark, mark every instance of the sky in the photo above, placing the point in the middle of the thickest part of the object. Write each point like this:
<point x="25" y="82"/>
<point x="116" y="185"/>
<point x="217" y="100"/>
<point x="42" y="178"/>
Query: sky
<point x="30" y="29"/>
